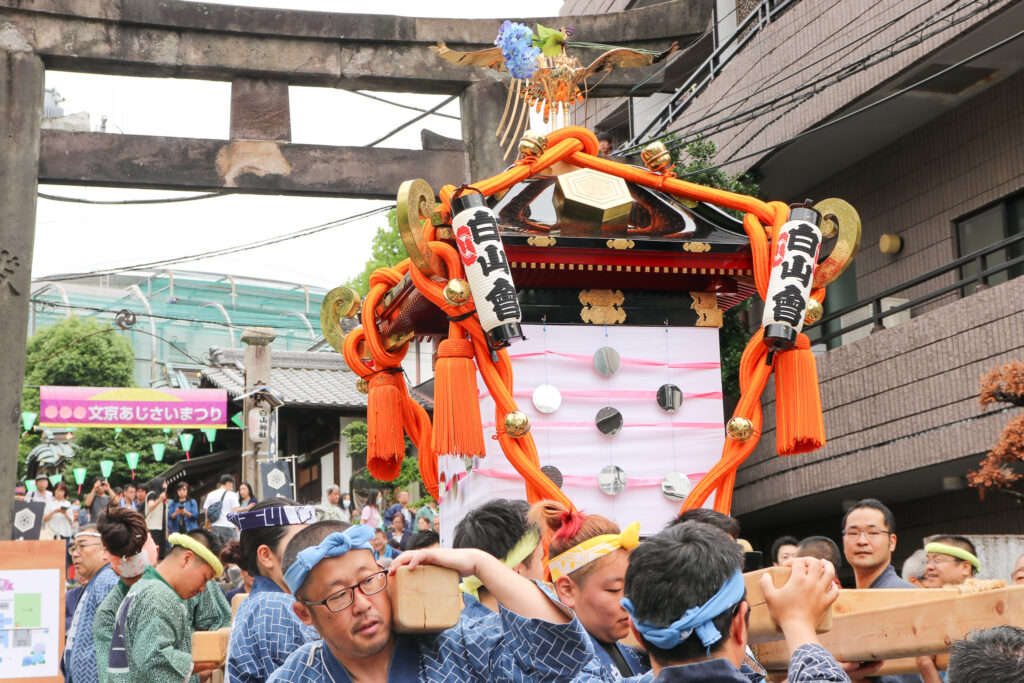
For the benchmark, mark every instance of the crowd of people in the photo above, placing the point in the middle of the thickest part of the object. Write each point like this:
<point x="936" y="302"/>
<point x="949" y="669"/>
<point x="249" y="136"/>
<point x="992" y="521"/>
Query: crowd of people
<point x="549" y="593"/>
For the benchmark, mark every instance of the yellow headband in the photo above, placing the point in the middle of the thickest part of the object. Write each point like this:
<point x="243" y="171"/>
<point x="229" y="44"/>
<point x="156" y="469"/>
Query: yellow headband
<point x="952" y="550"/>
<point x="522" y="550"/>
<point x="584" y="553"/>
<point x="189" y="543"/>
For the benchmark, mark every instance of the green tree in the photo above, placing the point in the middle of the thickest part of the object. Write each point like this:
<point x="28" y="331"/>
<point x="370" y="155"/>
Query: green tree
<point x="409" y="475"/>
<point x="699" y="157"/>
<point x="90" y="352"/>
<point x="387" y="250"/>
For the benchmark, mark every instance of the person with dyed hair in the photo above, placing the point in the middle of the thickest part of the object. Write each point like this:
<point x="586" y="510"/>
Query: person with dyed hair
<point x="152" y="639"/>
<point x="265" y="630"/>
<point x="589" y="555"/>
<point x="342" y="591"/>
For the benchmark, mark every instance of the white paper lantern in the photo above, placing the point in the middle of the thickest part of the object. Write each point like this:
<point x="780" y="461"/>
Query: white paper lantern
<point x="793" y="263"/>
<point x="487" y="269"/>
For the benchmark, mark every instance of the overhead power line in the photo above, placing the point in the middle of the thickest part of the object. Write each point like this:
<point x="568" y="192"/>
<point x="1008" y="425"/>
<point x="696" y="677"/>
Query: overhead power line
<point x="855" y="112"/>
<point x="305" y="232"/>
<point x="121" y="202"/>
<point x="910" y="38"/>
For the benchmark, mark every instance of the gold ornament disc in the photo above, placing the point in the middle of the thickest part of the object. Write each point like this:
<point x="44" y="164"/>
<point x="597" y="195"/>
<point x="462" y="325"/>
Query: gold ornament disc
<point x="517" y="424"/>
<point x="740" y="429"/>
<point x="456" y="292"/>
<point x="814" y="312"/>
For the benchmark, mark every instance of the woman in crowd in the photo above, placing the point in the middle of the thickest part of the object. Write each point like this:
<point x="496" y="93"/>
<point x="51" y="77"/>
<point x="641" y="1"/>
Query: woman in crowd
<point x="346" y="507"/>
<point x="589" y="556"/>
<point x="265" y="629"/>
<point x="370" y="516"/>
<point x="127" y="541"/>
<point x="245" y="497"/>
<point x="182" y="512"/>
<point x="58" y="517"/>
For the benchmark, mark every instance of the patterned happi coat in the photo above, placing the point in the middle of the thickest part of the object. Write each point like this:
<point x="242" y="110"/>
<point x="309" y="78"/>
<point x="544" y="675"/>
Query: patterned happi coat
<point x="492" y="648"/>
<point x="152" y="639"/>
<point x="79" y="661"/>
<point x="265" y="632"/>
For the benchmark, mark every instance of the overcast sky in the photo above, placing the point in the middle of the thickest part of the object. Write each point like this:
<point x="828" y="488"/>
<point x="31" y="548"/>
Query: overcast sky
<point x="77" y="237"/>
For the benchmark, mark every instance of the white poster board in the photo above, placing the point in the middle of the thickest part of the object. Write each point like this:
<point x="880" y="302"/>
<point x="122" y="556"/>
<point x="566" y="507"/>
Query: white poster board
<point x="30" y="623"/>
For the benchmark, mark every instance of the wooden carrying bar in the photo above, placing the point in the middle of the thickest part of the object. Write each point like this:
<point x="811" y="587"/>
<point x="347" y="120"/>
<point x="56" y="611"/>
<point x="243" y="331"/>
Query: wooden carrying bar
<point x="762" y="628"/>
<point x="895" y="624"/>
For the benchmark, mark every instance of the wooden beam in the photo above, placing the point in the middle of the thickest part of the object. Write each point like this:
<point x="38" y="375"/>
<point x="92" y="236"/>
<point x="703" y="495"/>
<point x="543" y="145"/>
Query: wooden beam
<point x="352" y="51"/>
<point x="761" y="628"/>
<point x="249" y="167"/>
<point x="910" y="630"/>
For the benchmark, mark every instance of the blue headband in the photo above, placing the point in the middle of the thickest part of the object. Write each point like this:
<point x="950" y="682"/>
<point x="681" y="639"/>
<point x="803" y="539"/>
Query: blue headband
<point x="696" y="618"/>
<point x="353" y="538"/>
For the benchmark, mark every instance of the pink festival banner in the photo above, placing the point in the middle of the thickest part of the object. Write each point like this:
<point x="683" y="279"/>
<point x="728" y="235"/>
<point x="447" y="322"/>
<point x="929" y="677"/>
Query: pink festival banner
<point x="132" y="407"/>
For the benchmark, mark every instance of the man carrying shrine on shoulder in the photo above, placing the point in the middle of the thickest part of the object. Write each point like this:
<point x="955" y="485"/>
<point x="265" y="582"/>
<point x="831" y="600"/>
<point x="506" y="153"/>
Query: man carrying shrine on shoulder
<point x="340" y="590"/>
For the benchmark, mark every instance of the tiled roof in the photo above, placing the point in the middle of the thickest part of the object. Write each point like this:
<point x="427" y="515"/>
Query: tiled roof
<point x="299" y="378"/>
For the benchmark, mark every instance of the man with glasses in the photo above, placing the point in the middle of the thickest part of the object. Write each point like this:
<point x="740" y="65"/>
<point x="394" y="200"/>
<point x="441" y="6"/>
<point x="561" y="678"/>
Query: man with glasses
<point x="869" y="539"/>
<point x="949" y="561"/>
<point x="92" y="568"/>
<point x="340" y="590"/>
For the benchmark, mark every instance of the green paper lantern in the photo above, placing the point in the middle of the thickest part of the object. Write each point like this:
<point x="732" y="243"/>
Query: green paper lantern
<point x="106" y="467"/>
<point x="30" y="485"/>
<point x="186" y="443"/>
<point x="158" y="451"/>
<point x="133" y="461"/>
<point x="28" y="419"/>
<point x="56" y="479"/>
<point x="237" y="419"/>
<point x="80" y="477"/>
<point x="211" y="435"/>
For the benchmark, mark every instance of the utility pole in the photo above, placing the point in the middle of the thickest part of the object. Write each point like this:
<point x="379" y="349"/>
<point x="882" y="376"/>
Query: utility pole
<point x="21" y="114"/>
<point x="257" y="370"/>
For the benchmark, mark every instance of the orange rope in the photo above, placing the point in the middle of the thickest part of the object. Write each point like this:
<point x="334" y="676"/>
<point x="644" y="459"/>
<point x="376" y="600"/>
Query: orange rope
<point x="579" y="146"/>
<point x="522" y="452"/>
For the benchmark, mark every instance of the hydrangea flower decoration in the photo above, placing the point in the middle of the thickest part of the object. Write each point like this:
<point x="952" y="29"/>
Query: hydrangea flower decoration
<point x="516" y="43"/>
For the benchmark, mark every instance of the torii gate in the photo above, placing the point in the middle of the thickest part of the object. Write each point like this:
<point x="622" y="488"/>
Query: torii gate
<point x="262" y="52"/>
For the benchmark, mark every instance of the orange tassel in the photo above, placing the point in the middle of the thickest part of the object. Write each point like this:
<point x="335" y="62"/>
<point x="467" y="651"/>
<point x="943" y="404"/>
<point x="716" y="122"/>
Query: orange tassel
<point x="799" y="425"/>
<point x="385" y="441"/>
<point x="458" y="429"/>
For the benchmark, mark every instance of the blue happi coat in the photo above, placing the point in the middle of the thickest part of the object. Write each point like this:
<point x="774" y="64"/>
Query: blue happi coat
<point x="492" y="647"/>
<point x="810" y="663"/>
<point x="264" y="633"/>
<point x="79" y="661"/>
<point x="635" y="660"/>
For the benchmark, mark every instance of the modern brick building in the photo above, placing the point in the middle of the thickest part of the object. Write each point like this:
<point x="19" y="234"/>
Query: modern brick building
<point x="911" y="111"/>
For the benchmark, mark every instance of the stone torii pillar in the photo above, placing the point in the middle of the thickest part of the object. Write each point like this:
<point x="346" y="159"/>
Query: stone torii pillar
<point x="21" y="113"/>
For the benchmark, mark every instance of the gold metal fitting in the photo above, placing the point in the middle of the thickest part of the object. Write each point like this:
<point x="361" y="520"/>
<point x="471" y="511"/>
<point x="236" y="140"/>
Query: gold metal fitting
<point x="532" y="144"/>
<point x="456" y="292"/>
<point x="656" y="157"/>
<point x="740" y="429"/>
<point x="814" y="312"/>
<point x="363" y="386"/>
<point x="517" y="424"/>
